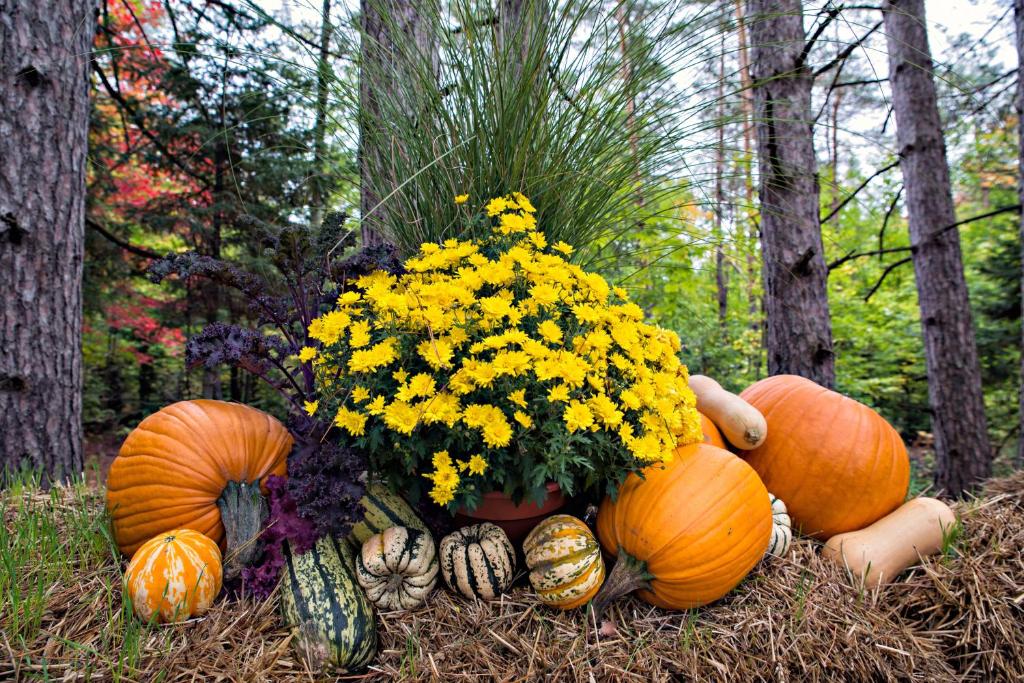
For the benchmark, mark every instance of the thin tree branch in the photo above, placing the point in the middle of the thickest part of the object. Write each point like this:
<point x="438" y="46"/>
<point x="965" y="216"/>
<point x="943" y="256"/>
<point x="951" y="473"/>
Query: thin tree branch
<point x="895" y="264"/>
<point x="859" y="254"/>
<point x="127" y="246"/>
<point x="140" y="124"/>
<point x="848" y="198"/>
<point x="888" y="214"/>
<point x="891" y="267"/>
<point x="846" y="52"/>
<point x="869" y="81"/>
<point x="831" y="14"/>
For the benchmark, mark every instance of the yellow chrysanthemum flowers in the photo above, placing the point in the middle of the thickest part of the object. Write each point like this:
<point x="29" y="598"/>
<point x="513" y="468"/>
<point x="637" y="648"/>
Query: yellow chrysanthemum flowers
<point x="501" y="352"/>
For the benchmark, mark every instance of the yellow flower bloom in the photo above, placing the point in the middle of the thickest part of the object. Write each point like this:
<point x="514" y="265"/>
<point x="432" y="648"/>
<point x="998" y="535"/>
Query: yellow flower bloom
<point x="496" y="206"/>
<point x="558" y="393"/>
<point x="577" y="416"/>
<point x="550" y="331"/>
<point x="442" y="496"/>
<point x="401" y="417"/>
<point x="562" y="247"/>
<point x="376" y="406"/>
<point x="378" y="355"/>
<point x="422" y="385"/>
<point x="438" y="353"/>
<point x="518" y="397"/>
<point x="306" y="354"/>
<point x="359" y="334"/>
<point x="354" y="423"/>
<point x="461" y="198"/>
<point x="360" y="394"/>
<point x="477" y="465"/>
<point x="523" y="419"/>
<point x="311" y="406"/>
<point x="400" y="375"/>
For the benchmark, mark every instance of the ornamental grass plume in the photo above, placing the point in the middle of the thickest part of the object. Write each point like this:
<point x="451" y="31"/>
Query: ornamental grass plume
<point x="495" y="364"/>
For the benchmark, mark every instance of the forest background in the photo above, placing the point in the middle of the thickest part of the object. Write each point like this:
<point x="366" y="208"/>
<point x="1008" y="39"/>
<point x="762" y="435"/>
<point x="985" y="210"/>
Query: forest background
<point x="210" y="119"/>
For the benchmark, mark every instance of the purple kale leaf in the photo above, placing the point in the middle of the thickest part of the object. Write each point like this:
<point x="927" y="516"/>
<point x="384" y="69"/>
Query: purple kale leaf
<point x="284" y="524"/>
<point x="324" y="481"/>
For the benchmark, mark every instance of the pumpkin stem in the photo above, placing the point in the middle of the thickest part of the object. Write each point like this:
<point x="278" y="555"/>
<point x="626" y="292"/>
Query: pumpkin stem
<point x="243" y="510"/>
<point x="628" y="574"/>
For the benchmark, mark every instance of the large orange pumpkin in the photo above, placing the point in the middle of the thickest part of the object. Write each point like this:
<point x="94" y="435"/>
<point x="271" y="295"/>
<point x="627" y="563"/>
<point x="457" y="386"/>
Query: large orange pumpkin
<point x="196" y="465"/>
<point x="174" y="576"/>
<point x="688" y="532"/>
<point x="837" y="463"/>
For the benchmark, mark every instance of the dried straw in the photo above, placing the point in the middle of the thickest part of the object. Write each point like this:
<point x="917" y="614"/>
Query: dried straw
<point x="957" y="617"/>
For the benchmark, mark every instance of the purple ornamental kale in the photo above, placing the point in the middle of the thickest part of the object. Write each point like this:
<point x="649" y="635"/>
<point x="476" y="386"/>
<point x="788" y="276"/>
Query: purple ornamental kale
<point x="324" y="481"/>
<point x="284" y="524"/>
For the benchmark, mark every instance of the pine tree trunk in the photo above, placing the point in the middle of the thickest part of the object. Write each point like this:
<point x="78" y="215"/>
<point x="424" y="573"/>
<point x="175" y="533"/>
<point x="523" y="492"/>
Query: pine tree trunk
<point x="316" y="213"/>
<point x="391" y="31"/>
<point x="721" y="285"/>
<point x="755" y="303"/>
<point x="962" y="449"/>
<point x="1018" y="18"/>
<point x="44" y="122"/>
<point x="799" y="329"/>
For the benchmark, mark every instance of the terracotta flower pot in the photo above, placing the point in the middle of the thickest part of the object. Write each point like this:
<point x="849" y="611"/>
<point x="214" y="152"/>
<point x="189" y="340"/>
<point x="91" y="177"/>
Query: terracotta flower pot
<point x="515" y="520"/>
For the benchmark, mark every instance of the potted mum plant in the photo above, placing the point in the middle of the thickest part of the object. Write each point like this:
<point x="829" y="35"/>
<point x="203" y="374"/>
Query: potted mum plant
<point x="496" y="374"/>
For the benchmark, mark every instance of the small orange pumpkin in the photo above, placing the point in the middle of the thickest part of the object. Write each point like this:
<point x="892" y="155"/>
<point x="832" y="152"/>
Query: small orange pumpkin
<point x="837" y="463"/>
<point x="174" y="576"/>
<point x="196" y="465"/>
<point x="688" y="532"/>
<point x="712" y="435"/>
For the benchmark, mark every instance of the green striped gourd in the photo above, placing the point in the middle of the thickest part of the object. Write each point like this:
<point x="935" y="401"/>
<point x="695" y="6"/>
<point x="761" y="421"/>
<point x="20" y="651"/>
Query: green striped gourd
<point x="566" y="569"/>
<point x="397" y="568"/>
<point x="782" y="528"/>
<point x="383" y="511"/>
<point x="478" y="561"/>
<point x="322" y="601"/>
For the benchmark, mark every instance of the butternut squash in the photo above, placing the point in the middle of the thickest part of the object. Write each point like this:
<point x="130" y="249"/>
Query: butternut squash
<point x="879" y="553"/>
<point x="742" y="424"/>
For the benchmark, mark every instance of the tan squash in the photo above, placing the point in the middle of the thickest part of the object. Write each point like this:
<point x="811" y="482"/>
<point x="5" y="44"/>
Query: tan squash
<point x="880" y="552"/>
<point x="741" y="423"/>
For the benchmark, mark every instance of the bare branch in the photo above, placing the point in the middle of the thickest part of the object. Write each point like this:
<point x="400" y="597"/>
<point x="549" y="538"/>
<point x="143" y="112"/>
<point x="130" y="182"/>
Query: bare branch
<point x="891" y="267"/>
<point x="848" y="198"/>
<point x="127" y="246"/>
<point x="846" y="52"/>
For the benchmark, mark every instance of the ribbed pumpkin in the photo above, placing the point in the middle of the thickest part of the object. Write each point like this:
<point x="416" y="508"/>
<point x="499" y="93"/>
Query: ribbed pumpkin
<point x="174" y="576"/>
<point x="712" y="435"/>
<point x="196" y="465"/>
<point x="478" y="561"/>
<point x="837" y="463"/>
<point x="332" y="620"/>
<point x="566" y="569"/>
<point x="782" y="528"/>
<point x="397" y="568"/>
<point x="688" y="532"/>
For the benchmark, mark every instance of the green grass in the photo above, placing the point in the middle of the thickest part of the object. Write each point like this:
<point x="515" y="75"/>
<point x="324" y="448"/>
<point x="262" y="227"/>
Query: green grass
<point x="50" y="541"/>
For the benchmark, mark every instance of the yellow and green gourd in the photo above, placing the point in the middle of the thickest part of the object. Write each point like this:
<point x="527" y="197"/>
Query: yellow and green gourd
<point x="322" y="601"/>
<point x="566" y="569"/>
<point x="383" y="510"/>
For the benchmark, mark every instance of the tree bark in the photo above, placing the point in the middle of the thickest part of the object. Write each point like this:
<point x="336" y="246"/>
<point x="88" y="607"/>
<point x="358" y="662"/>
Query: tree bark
<point x="391" y="31"/>
<point x="1018" y="20"/>
<point x="962" y="449"/>
<point x="323" y="69"/>
<point x="721" y="285"/>
<point x="44" y="122"/>
<point x="799" y="329"/>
